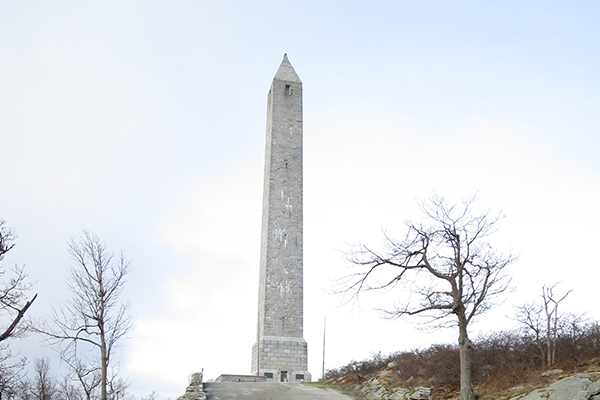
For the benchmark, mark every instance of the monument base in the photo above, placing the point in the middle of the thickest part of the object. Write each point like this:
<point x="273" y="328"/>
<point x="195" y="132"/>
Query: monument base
<point x="282" y="359"/>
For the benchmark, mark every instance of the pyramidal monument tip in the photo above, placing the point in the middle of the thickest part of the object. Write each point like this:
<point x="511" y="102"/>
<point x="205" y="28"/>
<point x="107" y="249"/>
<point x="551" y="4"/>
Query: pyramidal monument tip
<point x="286" y="72"/>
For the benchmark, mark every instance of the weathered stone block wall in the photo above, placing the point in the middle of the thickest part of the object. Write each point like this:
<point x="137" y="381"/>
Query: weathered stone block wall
<point x="281" y="354"/>
<point x="281" y="271"/>
<point x="240" y="378"/>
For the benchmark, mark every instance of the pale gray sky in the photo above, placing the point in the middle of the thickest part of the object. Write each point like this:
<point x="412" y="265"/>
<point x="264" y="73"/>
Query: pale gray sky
<point x="144" y="122"/>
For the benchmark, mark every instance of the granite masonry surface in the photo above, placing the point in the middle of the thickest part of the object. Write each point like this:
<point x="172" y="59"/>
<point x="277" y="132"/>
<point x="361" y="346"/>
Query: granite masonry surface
<point x="240" y="378"/>
<point x="280" y="352"/>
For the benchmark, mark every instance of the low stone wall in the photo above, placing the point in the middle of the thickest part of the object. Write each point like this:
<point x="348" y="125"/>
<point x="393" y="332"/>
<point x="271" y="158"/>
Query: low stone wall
<point x="241" y="378"/>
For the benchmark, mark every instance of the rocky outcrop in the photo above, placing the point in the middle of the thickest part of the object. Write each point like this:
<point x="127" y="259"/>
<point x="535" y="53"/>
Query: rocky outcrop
<point x="559" y="386"/>
<point x="195" y="390"/>
<point x="373" y="391"/>
<point x="583" y="386"/>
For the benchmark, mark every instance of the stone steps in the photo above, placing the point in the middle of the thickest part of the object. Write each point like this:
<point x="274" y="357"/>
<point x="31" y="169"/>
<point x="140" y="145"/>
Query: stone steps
<point x="268" y="391"/>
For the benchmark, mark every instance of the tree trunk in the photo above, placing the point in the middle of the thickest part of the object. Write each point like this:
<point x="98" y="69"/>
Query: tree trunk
<point x="549" y="338"/>
<point x="540" y="345"/>
<point x="464" y="344"/>
<point x="104" y="368"/>
<point x="555" y="334"/>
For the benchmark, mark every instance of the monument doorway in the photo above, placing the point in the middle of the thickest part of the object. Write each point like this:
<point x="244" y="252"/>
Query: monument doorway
<point x="284" y="376"/>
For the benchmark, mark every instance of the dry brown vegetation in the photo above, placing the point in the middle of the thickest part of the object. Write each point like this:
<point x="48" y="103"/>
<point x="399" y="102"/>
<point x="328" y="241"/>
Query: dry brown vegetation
<point x="501" y="360"/>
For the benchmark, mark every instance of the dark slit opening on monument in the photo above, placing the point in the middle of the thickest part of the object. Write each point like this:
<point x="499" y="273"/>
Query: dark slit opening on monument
<point x="288" y="90"/>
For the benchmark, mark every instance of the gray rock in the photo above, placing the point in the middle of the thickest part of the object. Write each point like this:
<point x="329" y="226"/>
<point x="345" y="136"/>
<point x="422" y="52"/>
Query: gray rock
<point x="399" y="394"/>
<point x="381" y="389"/>
<point x="382" y="392"/>
<point x="373" y="382"/>
<point x="519" y="397"/>
<point x="552" y="372"/>
<point x="422" y="393"/>
<point x="570" y="388"/>
<point x="195" y="390"/>
<point x="593" y="390"/>
<point x="372" y="396"/>
<point x="196" y="379"/>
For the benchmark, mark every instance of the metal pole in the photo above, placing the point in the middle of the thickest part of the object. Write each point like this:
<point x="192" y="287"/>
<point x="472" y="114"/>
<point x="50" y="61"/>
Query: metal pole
<point x="324" y="327"/>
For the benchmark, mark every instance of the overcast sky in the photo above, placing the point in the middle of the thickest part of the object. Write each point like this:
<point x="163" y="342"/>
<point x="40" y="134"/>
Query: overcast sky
<point x="144" y="122"/>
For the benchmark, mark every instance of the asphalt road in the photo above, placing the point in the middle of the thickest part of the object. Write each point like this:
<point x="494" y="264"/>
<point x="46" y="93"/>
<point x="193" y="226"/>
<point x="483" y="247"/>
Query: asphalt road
<point x="268" y="391"/>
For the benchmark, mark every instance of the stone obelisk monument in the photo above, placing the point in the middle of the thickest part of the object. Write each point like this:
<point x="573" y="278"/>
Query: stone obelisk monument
<point x="280" y="352"/>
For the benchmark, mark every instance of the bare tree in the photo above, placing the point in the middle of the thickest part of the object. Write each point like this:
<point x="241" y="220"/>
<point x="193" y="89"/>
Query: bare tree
<point x="11" y="374"/>
<point x="89" y="328"/>
<point x="542" y="320"/>
<point x="14" y="290"/>
<point x="447" y="265"/>
<point x="44" y="385"/>
<point x="23" y="391"/>
<point x="68" y="391"/>
<point x="551" y="311"/>
<point x="86" y="373"/>
<point x="530" y="317"/>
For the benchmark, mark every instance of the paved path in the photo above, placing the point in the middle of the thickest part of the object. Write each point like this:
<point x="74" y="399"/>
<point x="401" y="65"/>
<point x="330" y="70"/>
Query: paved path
<point x="268" y="391"/>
